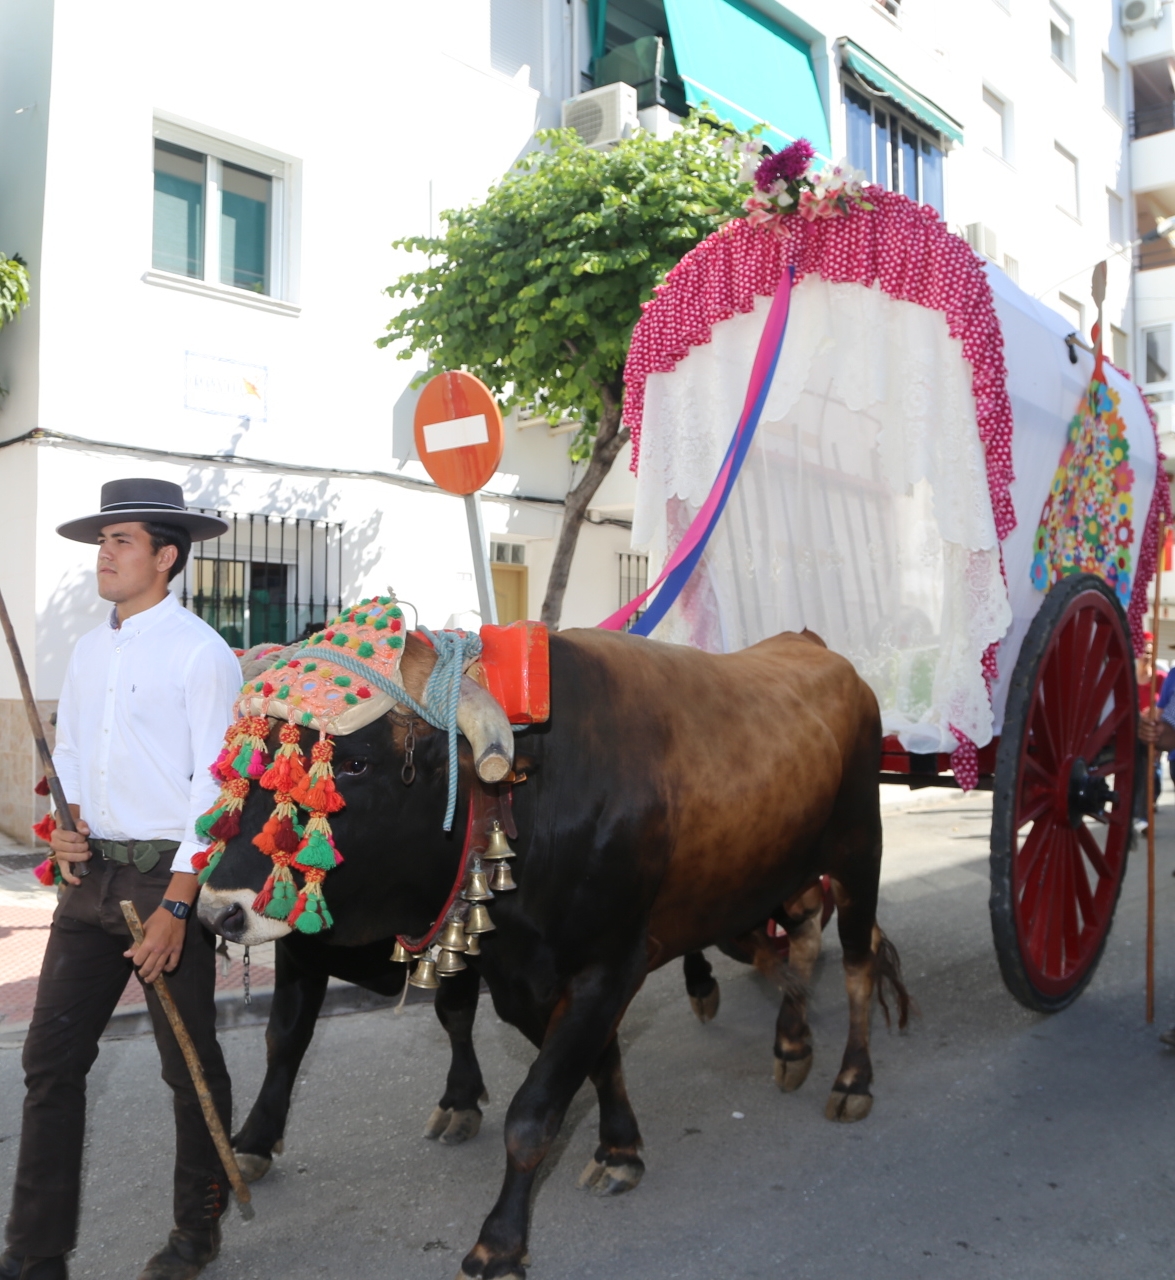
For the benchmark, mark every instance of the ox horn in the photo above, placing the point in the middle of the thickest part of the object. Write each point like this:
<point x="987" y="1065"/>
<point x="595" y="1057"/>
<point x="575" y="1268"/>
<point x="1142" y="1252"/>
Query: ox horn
<point x="483" y="723"/>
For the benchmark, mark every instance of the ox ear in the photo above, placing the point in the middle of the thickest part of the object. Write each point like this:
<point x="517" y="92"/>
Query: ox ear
<point x="483" y="723"/>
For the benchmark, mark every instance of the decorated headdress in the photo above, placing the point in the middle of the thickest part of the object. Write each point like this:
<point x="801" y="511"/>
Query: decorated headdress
<point x="336" y="682"/>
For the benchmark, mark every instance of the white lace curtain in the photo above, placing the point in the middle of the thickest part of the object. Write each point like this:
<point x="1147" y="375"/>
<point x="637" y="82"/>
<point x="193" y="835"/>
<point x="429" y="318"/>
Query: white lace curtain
<point x="862" y="511"/>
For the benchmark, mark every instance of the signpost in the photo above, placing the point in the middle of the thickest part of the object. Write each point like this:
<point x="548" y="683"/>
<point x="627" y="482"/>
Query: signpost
<point x="459" y="437"/>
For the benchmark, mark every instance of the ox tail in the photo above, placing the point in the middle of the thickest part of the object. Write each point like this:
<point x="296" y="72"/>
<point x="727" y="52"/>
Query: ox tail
<point x="887" y="971"/>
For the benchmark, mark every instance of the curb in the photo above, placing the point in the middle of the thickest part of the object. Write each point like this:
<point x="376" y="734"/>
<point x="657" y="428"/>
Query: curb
<point x="231" y="1011"/>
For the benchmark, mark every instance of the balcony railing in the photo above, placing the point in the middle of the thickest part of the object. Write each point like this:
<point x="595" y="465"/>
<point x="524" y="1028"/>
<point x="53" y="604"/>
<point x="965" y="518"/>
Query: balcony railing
<point x="1150" y="120"/>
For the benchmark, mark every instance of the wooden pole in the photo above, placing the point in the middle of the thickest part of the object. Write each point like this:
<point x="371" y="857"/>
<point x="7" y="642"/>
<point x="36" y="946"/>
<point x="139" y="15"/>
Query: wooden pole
<point x="188" y="1049"/>
<point x="64" y="817"/>
<point x="1150" y="792"/>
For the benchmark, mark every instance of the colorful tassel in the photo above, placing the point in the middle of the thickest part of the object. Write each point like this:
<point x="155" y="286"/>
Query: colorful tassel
<point x="205" y="862"/>
<point x="278" y="894"/>
<point x="288" y="771"/>
<point x="45" y="828"/>
<point x="223" y="820"/>
<point x="317" y="851"/>
<point x="222" y="767"/>
<point x="250" y="759"/>
<point x="318" y="791"/>
<point x="310" y="914"/>
<point x="48" y="872"/>
<point x="282" y="832"/>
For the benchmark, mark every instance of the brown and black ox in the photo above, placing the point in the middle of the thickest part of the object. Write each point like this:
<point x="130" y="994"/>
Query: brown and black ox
<point x="675" y="800"/>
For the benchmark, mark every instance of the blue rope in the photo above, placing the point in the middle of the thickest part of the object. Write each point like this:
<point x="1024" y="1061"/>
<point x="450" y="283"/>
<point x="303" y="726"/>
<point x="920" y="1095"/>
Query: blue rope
<point x="442" y="693"/>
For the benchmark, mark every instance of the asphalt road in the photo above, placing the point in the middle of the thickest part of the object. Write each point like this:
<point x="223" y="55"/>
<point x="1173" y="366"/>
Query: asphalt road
<point x="1001" y="1143"/>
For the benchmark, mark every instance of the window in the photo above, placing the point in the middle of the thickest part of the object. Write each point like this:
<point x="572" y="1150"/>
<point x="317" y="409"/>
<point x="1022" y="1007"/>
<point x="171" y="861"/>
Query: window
<point x="1073" y="311"/>
<point x="268" y="579"/>
<point x="1119" y="348"/>
<point x="218" y="214"/>
<point x="893" y="150"/>
<point x="1116" y="217"/>
<point x="1011" y="268"/>
<point x="1061" y="36"/>
<point x="1154" y="98"/>
<point x="516" y="39"/>
<point x="1065" y="180"/>
<point x="1151" y="210"/>
<point x="1157" y="354"/>
<point x="994" y="126"/>
<point x="1112" y="87"/>
<point x="634" y="578"/>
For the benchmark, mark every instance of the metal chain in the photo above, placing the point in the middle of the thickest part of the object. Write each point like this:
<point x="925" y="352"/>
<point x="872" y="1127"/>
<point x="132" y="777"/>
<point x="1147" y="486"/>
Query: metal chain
<point x="408" y="772"/>
<point x="245" y="966"/>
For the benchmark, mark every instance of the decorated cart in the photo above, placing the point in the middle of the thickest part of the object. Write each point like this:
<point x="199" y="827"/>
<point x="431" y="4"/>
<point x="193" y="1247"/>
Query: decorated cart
<point x="842" y="419"/>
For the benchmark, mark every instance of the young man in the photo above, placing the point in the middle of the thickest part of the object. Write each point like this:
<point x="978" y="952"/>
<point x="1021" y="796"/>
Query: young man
<point x="147" y="698"/>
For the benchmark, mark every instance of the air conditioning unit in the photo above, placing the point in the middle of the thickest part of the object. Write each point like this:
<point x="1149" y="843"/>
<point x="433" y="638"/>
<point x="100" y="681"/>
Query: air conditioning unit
<point x="983" y="240"/>
<point x="603" y="116"/>
<point x="1137" y="13"/>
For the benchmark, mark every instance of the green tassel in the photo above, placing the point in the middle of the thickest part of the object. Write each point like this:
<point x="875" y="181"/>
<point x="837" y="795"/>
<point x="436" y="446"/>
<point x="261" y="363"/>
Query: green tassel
<point x="317" y="853"/>
<point x="206" y="821"/>
<point x="211" y="867"/>
<point x="315" y="917"/>
<point x="244" y="759"/>
<point x="284" y="897"/>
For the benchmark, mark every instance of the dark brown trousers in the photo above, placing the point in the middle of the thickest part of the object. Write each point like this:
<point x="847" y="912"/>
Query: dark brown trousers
<point x="83" y="976"/>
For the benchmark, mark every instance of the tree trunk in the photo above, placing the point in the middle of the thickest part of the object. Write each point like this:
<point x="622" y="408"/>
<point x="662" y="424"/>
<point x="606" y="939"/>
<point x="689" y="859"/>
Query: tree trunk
<point x="610" y="439"/>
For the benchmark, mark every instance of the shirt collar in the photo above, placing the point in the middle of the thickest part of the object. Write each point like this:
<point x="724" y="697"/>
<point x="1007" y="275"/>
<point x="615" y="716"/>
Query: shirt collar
<point x="144" y="621"/>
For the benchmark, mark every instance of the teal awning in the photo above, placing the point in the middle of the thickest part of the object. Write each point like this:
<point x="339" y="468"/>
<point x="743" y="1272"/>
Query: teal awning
<point x="884" y="81"/>
<point x="748" y="69"/>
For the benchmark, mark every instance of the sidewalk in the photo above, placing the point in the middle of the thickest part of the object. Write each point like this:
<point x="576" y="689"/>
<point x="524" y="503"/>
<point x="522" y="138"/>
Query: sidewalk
<point x="26" y="908"/>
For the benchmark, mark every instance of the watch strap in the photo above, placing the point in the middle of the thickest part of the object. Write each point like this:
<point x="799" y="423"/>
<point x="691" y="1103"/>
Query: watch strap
<point x="181" y="910"/>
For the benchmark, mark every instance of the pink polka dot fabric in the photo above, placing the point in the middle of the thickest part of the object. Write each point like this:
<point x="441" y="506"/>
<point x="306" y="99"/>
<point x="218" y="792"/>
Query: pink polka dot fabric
<point x="899" y="245"/>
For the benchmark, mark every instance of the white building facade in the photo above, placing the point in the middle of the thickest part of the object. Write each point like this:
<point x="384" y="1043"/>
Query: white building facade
<point x="207" y="200"/>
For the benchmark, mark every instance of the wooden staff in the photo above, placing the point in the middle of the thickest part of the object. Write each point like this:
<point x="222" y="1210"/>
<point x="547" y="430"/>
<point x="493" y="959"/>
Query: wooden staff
<point x="1150" y="793"/>
<point x="211" y="1115"/>
<point x="64" y="816"/>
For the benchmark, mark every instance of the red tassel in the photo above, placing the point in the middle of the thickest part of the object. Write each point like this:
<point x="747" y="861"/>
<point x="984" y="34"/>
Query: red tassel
<point x="288" y="771"/>
<point x="226" y="826"/>
<point x="200" y="860"/>
<point x="323" y="796"/>
<point x="265" y="897"/>
<point x="46" y="872"/>
<point x="42" y="787"/>
<point x="45" y="828"/>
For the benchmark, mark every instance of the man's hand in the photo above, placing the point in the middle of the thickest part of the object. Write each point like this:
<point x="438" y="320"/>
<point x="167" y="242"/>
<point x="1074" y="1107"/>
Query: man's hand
<point x="1151" y="728"/>
<point x="71" y="846"/>
<point x="163" y="943"/>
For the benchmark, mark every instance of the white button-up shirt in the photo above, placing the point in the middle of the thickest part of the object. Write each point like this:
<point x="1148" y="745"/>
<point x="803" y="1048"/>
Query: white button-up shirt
<point x="141" y="716"/>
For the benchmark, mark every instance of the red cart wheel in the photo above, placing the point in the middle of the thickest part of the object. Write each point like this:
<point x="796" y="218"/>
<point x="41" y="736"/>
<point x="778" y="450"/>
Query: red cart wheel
<point x="1064" y="794"/>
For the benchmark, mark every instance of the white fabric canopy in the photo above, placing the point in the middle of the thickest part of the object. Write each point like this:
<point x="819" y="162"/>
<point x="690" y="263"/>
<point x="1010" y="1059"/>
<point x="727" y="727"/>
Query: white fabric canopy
<point x="862" y="511"/>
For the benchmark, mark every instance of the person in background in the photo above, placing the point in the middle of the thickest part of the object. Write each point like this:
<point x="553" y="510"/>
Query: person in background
<point x="146" y="701"/>
<point x="1143" y="670"/>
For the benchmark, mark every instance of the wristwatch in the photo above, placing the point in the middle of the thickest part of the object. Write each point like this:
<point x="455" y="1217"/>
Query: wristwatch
<point x="181" y="910"/>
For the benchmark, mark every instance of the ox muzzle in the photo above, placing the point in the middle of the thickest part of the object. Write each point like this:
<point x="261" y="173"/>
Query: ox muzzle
<point x="230" y="913"/>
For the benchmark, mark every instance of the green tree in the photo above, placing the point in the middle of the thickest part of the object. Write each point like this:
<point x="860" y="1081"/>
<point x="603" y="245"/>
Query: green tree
<point x="14" y="288"/>
<point x="536" y="289"/>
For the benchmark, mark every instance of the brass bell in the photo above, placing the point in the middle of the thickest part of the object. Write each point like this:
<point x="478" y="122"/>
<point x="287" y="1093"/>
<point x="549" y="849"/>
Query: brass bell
<point x="503" y="881"/>
<point x="401" y="954"/>
<point x="453" y="936"/>
<point x="497" y="847"/>
<point x="450" y="963"/>
<point x="479" y="921"/>
<point x="477" y="888"/>
<point x="474" y="946"/>
<point x="425" y="975"/>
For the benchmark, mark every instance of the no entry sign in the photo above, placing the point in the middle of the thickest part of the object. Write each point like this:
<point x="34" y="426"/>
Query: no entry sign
<point x="459" y="433"/>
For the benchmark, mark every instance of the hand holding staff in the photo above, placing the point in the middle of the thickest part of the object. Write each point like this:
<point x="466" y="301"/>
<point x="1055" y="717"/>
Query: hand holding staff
<point x="211" y="1116"/>
<point x="64" y="817"/>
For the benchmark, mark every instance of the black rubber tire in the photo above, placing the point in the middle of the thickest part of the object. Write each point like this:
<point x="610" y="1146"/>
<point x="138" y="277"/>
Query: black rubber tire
<point x="1061" y="602"/>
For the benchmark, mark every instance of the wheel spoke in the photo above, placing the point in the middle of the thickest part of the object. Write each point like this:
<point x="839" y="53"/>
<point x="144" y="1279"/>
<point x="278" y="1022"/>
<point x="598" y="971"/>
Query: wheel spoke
<point x="1071" y="925"/>
<point x="1030" y="851"/>
<point x="1097" y="699"/>
<point x="1084" y="896"/>
<point x="1096" y="682"/>
<point x="1037" y="809"/>
<point x="1105" y="731"/>
<point x="1092" y="851"/>
<point x="1041" y="730"/>
<point x="1040" y="914"/>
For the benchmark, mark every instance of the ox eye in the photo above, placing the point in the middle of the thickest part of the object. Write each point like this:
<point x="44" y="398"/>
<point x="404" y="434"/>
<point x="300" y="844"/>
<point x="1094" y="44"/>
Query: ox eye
<point x="353" y="768"/>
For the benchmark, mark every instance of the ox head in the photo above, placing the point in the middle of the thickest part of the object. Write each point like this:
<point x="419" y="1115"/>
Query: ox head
<point x="398" y="864"/>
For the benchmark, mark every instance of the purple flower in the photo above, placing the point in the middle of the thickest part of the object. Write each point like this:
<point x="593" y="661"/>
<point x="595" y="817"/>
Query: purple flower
<point x="788" y="164"/>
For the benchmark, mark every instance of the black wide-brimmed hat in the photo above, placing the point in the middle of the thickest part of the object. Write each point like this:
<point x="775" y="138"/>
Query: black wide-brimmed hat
<point x="143" y="500"/>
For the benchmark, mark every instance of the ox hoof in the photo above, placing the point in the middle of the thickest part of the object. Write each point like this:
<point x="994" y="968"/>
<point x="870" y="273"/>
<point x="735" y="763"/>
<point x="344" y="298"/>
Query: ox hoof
<point x="790" y="1073"/>
<point x="705" y="1007"/>
<point x="612" y="1179"/>
<point x="452" y="1127"/>
<point x="847" y="1107"/>
<point x="253" y="1168"/>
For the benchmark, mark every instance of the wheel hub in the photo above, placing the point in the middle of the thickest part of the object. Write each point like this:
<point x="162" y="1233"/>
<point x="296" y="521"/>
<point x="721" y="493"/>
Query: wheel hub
<point x="1086" y="796"/>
